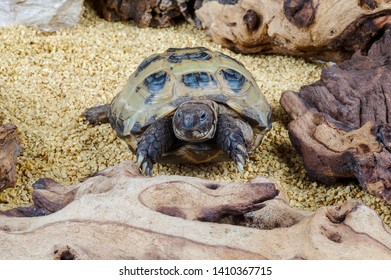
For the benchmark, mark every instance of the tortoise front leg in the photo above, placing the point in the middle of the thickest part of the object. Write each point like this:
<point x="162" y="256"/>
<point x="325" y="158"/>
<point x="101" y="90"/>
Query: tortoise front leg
<point x="231" y="140"/>
<point x="155" y="140"/>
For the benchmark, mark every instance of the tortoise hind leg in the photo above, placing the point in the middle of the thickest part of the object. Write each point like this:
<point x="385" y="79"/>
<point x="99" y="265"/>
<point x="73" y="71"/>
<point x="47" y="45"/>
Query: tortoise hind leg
<point x="231" y="140"/>
<point x="155" y="140"/>
<point x="97" y="115"/>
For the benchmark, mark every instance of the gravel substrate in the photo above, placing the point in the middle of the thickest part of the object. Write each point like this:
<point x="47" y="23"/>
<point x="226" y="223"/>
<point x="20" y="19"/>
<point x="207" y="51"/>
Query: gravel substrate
<point x="48" y="79"/>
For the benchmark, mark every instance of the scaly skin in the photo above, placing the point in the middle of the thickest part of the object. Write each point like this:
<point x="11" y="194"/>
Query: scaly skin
<point x="159" y="137"/>
<point x="155" y="140"/>
<point x="229" y="138"/>
<point x="97" y="115"/>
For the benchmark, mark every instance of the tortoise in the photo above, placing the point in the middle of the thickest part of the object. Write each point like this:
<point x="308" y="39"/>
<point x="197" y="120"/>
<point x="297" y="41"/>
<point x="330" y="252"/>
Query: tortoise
<point x="188" y="105"/>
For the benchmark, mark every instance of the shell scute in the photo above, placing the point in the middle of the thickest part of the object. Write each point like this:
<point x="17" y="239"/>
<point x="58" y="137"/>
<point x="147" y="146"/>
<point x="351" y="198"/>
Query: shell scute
<point x="181" y="57"/>
<point x="234" y="79"/>
<point x="146" y="63"/>
<point x="199" y="80"/>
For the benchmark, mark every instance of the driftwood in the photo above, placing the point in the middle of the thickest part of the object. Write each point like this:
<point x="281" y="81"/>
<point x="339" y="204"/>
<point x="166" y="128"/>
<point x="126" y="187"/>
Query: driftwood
<point x="145" y="13"/>
<point x="342" y="124"/>
<point x="119" y="214"/>
<point x="330" y="30"/>
<point x="9" y="151"/>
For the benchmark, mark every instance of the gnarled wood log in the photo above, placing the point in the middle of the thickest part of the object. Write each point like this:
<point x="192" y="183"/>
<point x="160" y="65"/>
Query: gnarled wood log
<point x="342" y="123"/>
<point x="119" y="214"/>
<point x="145" y="13"/>
<point x="9" y="151"/>
<point x="330" y="30"/>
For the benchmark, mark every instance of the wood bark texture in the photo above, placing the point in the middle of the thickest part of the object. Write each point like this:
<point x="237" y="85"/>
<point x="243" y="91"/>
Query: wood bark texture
<point x="152" y="13"/>
<point x="9" y="152"/>
<point x="342" y="123"/>
<point x="119" y="214"/>
<point x="329" y="30"/>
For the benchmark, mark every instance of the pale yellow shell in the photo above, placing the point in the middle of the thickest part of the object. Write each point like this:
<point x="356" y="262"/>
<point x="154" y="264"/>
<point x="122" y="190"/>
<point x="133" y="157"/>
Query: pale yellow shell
<point x="162" y="82"/>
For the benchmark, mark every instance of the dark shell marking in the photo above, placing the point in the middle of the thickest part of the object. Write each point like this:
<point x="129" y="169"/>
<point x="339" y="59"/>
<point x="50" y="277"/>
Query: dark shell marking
<point x="180" y="49"/>
<point x="155" y="83"/>
<point x="234" y="79"/>
<point x="116" y="124"/>
<point x="136" y="128"/>
<point x="231" y="58"/>
<point x="228" y="2"/>
<point x="178" y="58"/>
<point x="146" y="63"/>
<point x="199" y="80"/>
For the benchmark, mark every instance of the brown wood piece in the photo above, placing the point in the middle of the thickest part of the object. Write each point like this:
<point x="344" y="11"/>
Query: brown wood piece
<point x="119" y="214"/>
<point x="9" y="152"/>
<point x="341" y="124"/>
<point x="303" y="28"/>
<point x="146" y="13"/>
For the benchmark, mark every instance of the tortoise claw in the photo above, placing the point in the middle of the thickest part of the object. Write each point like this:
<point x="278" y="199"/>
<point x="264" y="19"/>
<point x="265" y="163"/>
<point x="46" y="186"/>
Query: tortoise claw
<point x="140" y="160"/>
<point x="148" y="171"/>
<point x="147" y="168"/>
<point x="240" y="167"/>
<point x="144" y="167"/>
<point x="242" y="149"/>
<point x="145" y="164"/>
<point x="240" y="159"/>
<point x="240" y="162"/>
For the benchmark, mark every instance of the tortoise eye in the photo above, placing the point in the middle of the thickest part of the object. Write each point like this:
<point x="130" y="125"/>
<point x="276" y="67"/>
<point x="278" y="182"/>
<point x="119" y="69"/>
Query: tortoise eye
<point x="203" y="116"/>
<point x="179" y="114"/>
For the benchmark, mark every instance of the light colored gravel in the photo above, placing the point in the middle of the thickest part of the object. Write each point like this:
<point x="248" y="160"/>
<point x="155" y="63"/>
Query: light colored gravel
<point x="48" y="79"/>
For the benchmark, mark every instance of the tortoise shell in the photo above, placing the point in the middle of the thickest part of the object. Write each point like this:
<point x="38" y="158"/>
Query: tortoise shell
<point x="163" y="81"/>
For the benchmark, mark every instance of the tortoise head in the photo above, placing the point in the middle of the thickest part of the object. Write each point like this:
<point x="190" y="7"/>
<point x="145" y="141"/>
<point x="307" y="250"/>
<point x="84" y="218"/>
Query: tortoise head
<point x="195" y="121"/>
